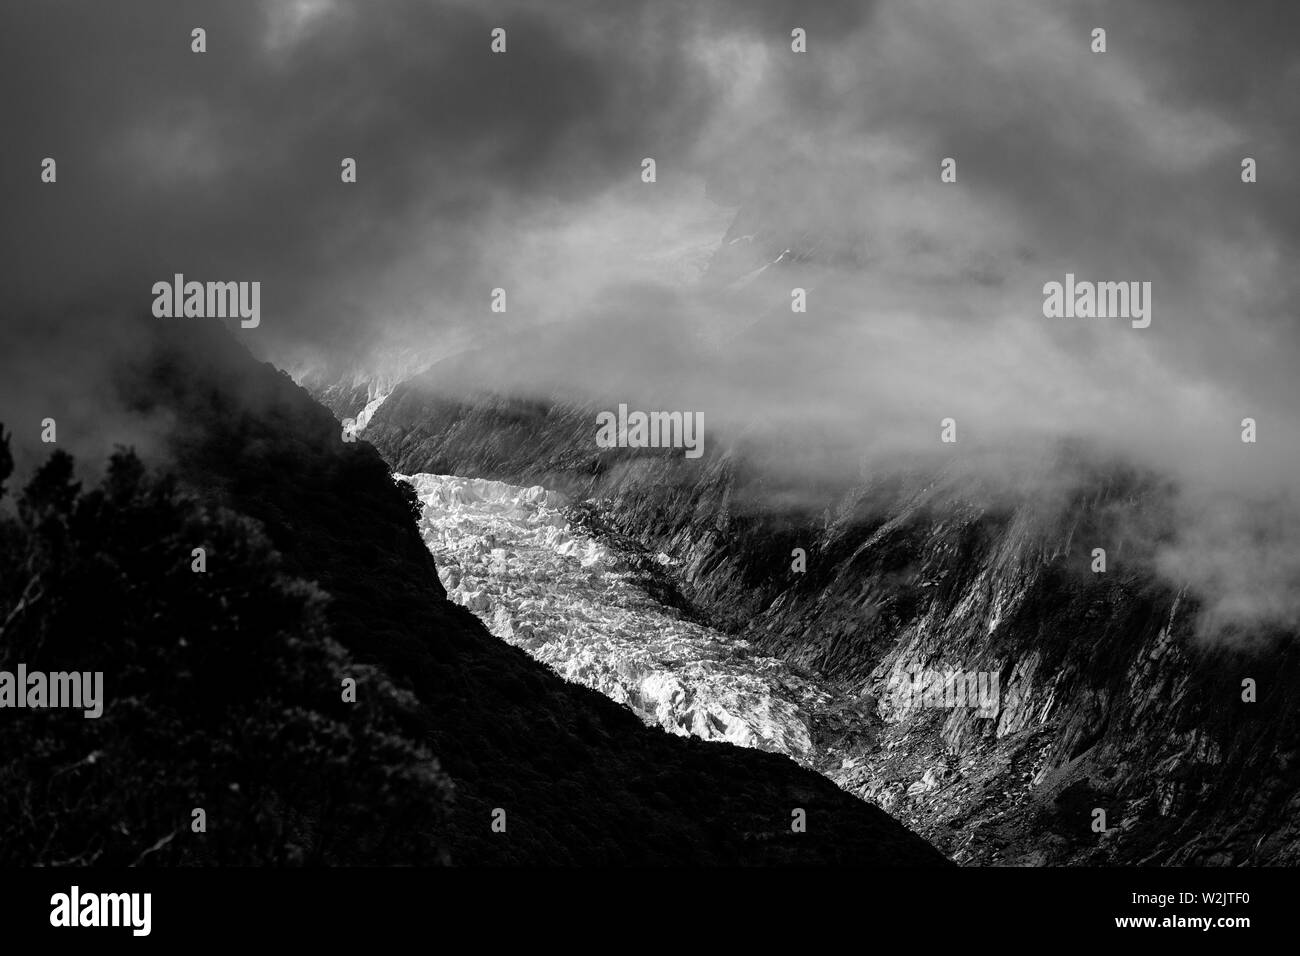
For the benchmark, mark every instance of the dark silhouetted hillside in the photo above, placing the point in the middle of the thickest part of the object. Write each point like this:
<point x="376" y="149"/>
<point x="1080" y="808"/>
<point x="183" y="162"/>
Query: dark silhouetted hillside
<point x="315" y="572"/>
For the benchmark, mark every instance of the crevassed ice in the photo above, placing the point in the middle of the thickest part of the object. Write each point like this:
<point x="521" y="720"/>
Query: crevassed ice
<point x="509" y="555"/>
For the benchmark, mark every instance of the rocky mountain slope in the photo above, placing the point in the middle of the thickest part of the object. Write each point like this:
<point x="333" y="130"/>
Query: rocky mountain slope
<point x="1107" y="700"/>
<point x="578" y="779"/>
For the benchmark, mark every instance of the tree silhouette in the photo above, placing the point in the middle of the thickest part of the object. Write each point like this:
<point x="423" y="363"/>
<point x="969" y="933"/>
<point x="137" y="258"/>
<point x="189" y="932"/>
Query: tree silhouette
<point x="222" y="691"/>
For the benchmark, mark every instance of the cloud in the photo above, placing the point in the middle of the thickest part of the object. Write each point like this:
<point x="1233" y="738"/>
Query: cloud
<point x="522" y="171"/>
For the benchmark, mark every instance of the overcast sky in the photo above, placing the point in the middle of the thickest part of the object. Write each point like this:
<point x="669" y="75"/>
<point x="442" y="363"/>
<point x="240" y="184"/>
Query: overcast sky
<point x="522" y="171"/>
<point x="477" y="168"/>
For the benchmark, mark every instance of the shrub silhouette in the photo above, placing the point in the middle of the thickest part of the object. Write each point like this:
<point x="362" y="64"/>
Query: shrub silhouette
<point x="222" y="690"/>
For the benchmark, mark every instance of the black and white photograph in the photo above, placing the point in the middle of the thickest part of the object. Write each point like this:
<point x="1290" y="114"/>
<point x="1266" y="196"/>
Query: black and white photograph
<point x="472" y="460"/>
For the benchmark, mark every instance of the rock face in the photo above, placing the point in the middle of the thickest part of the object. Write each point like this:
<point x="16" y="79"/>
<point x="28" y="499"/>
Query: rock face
<point x="576" y="778"/>
<point x="1107" y="701"/>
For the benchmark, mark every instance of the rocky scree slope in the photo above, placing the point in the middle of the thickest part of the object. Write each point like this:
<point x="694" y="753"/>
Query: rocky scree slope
<point x="1108" y="700"/>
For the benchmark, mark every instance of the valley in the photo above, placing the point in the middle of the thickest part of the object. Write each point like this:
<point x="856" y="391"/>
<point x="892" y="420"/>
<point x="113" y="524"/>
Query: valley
<point x="1107" y="700"/>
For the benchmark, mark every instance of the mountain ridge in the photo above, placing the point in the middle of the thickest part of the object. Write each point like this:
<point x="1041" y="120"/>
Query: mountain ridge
<point x="1113" y="703"/>
<point x="581" y="780"/>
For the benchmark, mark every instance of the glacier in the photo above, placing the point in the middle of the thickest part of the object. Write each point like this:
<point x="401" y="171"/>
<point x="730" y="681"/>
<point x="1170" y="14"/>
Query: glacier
<point x="511" y="555"/>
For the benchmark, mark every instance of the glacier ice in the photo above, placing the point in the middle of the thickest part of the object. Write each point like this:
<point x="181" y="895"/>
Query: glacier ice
<point x="510" y="555"/>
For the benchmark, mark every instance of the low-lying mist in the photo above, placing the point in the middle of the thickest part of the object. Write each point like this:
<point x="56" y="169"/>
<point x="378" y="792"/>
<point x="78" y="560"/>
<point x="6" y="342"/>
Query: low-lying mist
<point x="776" y="170"/>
